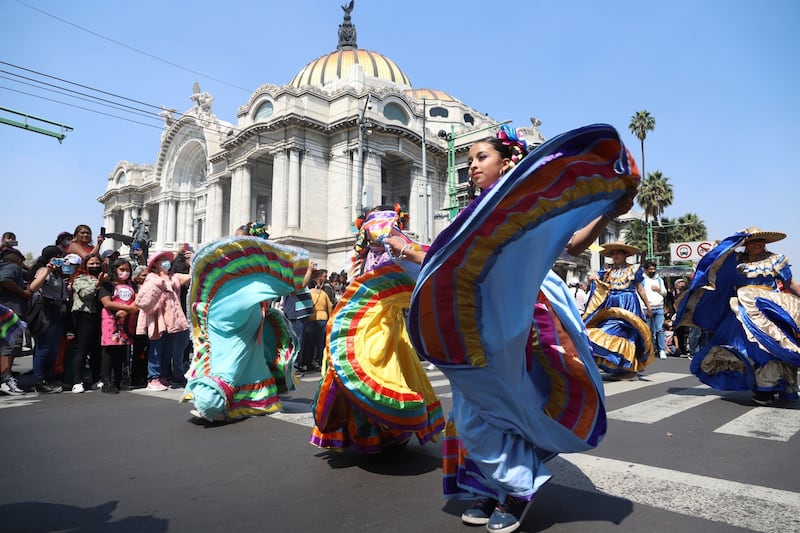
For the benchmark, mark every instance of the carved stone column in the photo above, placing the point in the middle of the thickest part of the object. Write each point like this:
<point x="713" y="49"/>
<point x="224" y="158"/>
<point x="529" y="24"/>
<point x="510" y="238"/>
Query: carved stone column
<point x="280" y="179"/>
<point x="293" y="185"/>
<point x="172" y="207"/>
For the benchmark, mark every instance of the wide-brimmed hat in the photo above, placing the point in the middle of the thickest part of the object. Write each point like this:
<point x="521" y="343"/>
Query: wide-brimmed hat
<point x="757" y="233"/>
<point x="160" y="256"/>
<point x="626" y="249"/>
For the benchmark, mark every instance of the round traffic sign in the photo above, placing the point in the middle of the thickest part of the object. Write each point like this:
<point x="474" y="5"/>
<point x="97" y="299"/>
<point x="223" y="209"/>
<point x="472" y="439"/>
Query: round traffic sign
<point x="683" y="251"/>
<point x="703" y="248"/>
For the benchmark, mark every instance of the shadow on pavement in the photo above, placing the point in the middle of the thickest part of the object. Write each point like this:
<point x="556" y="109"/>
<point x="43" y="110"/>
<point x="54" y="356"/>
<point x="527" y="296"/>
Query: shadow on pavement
<point x="32" y="517"/>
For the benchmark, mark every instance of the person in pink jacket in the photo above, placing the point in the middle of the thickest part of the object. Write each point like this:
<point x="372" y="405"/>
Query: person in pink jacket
<point x="162" y="319"/>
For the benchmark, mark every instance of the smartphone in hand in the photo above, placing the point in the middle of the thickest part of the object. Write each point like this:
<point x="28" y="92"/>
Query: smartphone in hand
<point x="103" y="231"/>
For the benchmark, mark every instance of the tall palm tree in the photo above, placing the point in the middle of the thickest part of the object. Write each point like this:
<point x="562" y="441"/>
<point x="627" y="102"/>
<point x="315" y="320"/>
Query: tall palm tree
<point x="655" y="195"/>
<point x="689" y="228"/>
<point x="641" y="123"/>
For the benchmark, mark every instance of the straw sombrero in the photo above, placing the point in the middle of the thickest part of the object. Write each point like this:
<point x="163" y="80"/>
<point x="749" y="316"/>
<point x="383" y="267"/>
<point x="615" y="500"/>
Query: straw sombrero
<point x="611" y="246"/>
<point x="756" y="233"/>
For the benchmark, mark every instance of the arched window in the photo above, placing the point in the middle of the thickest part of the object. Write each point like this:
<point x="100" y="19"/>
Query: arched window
<point x="469" y="119"/>
<point x="393" y="111"/>
<point x="264" y="111"/>
<point x="122" y="178"/>
<point x="439" y="112"/>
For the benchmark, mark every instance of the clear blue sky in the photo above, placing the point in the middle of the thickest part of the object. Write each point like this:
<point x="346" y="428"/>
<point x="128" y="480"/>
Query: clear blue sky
<point x="720" y="77"/>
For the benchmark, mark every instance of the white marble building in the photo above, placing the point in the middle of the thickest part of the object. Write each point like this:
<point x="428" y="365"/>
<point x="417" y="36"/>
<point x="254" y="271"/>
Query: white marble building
<point x="348" y="131"/>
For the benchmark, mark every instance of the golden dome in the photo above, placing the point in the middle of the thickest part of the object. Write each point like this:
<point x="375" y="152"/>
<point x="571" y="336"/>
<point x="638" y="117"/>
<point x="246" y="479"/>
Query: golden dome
<point x="336" y="66"/>
<point x="430" y="94"/>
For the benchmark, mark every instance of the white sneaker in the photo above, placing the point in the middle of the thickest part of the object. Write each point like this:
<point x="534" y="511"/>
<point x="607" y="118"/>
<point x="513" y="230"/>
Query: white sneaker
<point x="77" y="388"/>
<point x="430" y="366"/>
<point x="662" y="355"/>
<point x="10" y="386"/>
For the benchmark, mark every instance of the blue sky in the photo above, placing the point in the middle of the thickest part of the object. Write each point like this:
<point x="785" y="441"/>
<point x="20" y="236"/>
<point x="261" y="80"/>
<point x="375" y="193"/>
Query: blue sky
<point x="720" y="77"/>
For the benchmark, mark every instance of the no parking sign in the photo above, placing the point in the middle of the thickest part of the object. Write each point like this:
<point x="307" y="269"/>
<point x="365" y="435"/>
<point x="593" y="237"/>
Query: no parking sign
<point x="689" y="251"/>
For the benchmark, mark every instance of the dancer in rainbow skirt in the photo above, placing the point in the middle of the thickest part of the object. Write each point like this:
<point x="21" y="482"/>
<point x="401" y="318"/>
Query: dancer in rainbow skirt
<point x="490" y="314"/>
<point x="11" y="327"/>
<point x="244" y="349"/>
<point x="374" y="394"/>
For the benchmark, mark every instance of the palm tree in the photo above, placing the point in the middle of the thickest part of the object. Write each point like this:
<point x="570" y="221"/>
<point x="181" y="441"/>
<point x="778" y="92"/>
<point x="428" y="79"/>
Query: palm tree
<point x="655" y="195"/>
<point x="641" y="123"/>
<point x="689" y="228"/>
<point x="636" y="234"/>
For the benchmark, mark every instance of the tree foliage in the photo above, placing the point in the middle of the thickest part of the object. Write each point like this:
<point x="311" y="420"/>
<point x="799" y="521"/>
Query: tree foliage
<point x="641" y="123"/>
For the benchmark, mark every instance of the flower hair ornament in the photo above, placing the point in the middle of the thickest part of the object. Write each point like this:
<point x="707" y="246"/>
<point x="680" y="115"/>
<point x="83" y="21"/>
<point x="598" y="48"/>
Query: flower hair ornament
<point x="259" y="229"/>
<point x="519" y="147"/>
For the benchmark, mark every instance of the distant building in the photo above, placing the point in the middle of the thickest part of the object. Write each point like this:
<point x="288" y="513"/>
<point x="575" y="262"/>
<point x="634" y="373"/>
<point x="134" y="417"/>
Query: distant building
<point x="345" y="133"/>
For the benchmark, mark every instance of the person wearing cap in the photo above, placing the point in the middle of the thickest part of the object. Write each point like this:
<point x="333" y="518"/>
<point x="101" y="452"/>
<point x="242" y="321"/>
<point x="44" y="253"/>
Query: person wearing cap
<point x="751" y="302"/>
<point x="63" y="241"/>
<point x="619" y="335"/>
<point x="161" y="317"/>
<point x="107" y="257"/>
<point x="14" y="296"/>
<point x="51" y="286"/>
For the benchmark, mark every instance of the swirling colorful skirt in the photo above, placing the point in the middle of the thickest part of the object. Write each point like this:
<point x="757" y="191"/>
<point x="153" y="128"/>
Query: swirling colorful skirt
<point x="476" y="313"/>
<point x="374" y="392"/>
<point x="244" y="349"/>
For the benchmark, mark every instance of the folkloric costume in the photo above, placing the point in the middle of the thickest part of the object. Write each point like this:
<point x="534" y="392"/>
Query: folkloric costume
<point x="621" y="340"/>
<point x="374" y="392"/>
<point x="244" y="349"/>
<point x="504" y="329"/>
<point x="756" y="329"/>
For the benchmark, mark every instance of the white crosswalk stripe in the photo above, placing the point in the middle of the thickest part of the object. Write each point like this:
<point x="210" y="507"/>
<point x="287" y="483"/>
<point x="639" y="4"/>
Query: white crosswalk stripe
<point x="764" y="423"/>
<point x="652" y="411"/>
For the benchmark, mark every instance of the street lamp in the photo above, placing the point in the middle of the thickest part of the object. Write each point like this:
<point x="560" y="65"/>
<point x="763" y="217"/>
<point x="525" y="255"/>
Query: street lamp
<point x="452" y="180"/>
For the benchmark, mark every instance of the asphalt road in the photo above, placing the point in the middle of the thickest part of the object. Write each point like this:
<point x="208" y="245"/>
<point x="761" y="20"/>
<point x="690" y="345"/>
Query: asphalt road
<point x="677" y="457"/>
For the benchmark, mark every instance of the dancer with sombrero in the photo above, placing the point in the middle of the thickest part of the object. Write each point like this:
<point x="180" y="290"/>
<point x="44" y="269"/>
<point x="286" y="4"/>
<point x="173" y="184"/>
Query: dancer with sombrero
<point x="374" y="394"/>
<point x="614" y="318"/>
<point x="752" y="304"/>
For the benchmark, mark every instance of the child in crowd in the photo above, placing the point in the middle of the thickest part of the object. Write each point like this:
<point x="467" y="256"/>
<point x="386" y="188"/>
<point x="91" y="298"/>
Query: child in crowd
<point x="118" y="323"/>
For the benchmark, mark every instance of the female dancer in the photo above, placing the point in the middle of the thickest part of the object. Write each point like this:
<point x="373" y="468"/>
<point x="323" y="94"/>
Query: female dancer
<point x="752" y="304"/>
<point x="620" y="338"/>
<point x="375" y="395"/>
<point x="513" y="346"/>
<point x="244" y="349"/>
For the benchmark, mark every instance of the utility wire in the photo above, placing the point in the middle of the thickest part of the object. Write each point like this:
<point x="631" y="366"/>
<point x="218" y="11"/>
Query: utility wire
<point x="66" y="92"/>
<point x="109" y="39"/>
<point x="80" y="107"/>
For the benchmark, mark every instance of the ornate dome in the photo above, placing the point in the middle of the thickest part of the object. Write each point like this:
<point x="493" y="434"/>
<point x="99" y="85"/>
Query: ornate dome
<point x="430" y="94"/>
<point x="337" y="65"/>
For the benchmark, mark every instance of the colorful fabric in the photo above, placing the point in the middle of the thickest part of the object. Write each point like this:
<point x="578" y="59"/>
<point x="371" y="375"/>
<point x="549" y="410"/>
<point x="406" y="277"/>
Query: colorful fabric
<point x="755" y="344"/>
<point x="11" y="327"/>
<point x="370" y="248"/>
<point x="475" y="301"/>
<point x="621" y="339"/>
<point x="244" y="350"/>
<point x="374" y="392"/>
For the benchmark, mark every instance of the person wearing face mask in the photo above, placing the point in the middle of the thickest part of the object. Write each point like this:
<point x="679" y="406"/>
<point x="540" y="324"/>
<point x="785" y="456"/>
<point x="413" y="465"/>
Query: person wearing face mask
<point x="161" y="317"/>
<point x="86" y="322"/>
<point x="655" y="291"/>
<point x="118" y="323"/>
<point x="49" y="284"/>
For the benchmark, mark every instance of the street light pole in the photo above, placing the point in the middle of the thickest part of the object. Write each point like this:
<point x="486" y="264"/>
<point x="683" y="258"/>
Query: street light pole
<point x="360" y="184"/>
<point x="426" y="230"/>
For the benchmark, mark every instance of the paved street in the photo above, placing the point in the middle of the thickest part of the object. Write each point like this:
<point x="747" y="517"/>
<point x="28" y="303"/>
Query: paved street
<point x="678" y="457"/>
